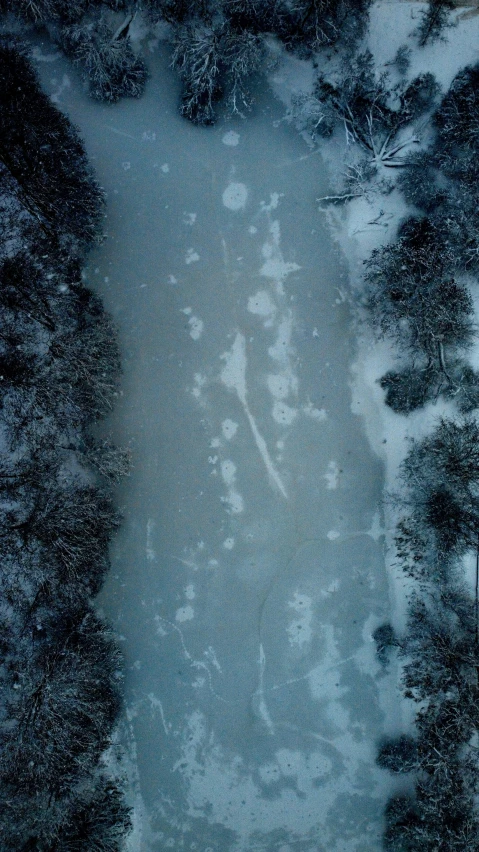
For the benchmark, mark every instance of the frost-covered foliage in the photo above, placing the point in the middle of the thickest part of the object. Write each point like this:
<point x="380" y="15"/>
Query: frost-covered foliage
<point x="434" y="20"/>
<point x="443" y="180"/>
<point x="212" y="61"/>
<point x="417" y="293"/>
<point x="317" y="23"/>
<point x="218" y="45"/>
<point x="372" y="113"/>
<point x="60" y="668"/>
<point x="440" y="647"/>
<point x="43" y="11"/>
<point x="110" y="67"/>
<point x="441" y="474"/>
<point x="413" y="298"/>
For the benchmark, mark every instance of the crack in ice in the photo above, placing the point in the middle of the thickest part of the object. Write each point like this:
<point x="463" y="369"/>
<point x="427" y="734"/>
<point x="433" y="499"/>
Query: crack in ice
<point x="233" y="376"/>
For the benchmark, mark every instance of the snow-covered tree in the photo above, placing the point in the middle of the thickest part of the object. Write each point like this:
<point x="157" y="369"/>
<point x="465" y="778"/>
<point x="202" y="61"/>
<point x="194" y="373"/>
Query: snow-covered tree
<point x="106" y="57"/>
<point x="59" y="365"/>
<point x="372" y="114"/>
<point x="412" y="296"/>
<point x="44" y="158"/>
<point x="213" y="60"/>
<point x="434" y="20"/>
<point x="317" y="23"/>
<point x="441" y="475"/>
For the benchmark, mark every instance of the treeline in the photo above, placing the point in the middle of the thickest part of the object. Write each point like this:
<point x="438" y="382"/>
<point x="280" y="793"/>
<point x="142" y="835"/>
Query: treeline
<point x="218" y="45"/>
<point x="60" y="668"/>
<point x="439" y="525"/>
<point x="418" y="295"/>
<point x="418" y="287"/>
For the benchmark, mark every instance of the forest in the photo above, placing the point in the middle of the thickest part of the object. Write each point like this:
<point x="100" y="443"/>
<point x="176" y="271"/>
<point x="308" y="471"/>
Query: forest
<point x="60" y="667"/>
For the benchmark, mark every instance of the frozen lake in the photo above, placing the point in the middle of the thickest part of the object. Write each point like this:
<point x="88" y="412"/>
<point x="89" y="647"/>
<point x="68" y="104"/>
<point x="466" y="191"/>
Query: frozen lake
<point x="248" y="576"/>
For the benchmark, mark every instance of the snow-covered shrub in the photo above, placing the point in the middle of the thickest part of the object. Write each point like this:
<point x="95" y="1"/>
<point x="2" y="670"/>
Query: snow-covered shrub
<point x="317" y="23"/>
<point x="243" y="54"/>
<point x="109" y="64"/>
<point x="212" y="61"/>
<point x="98" y="819"/>
<point x="385" y="639"/>
<point x="443" y="180"/>
<point x="197" y="59"/>
<point x="402" y="59"/>
<point x="256" y="17"/>
<point x="372" y="114"/>
<point x="412" y="297"/>
<point x="434" y="20"/>
<point x="398" y="755"/>
<point x="111" y="462"/>
<point x="44" y="11"/>
<point x="441" y="474"/>
<point x="181" y="11"/>
<point x="410" y="388"/>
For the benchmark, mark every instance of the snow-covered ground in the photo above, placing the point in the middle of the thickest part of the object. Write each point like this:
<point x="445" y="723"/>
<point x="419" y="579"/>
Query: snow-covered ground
<point x="249" y="574"/>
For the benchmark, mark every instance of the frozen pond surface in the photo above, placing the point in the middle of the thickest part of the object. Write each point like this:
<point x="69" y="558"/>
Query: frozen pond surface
<point x="248" y="576"/>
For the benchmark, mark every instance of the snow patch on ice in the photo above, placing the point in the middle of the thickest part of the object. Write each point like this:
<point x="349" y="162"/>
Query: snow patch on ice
<point x="273" y="202"/>
<point x="300" y="629"/>
<point x="282" y="349"/>
<point x="262" y="305"/>
<point x="376" y="530"/>
<point x="279" y="385"/>
<point x="229" y="543"/>
<point x="192" y="256"/>
<point x="233" y="499"/>
<point x="231" y="138"/>
<point x="274" y="266"/>
<point x="150" y="552"/>
<point x="235" y="502"/>
<point x="333" y="535"/>
<point x="196" y="327"/>
<point x="318" y="414"/>
<point x="165" y="168"/>
<point x="189" y="218"/>
<point x="332" y="476"/>
<point x="229" y="428"/>
<point x="233" y="374"/>
<point x="190" y="593"/>
<point x="235" y="196"/>
<point x="200" y="382"/>
<point x="284" y="414"/>
<point x="185" y="613"/>
<point x="65" y="84"/>
<point x="228" y="472"/>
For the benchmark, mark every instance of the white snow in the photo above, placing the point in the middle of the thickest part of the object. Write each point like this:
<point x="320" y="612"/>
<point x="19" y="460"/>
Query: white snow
<point x="235" y="196"/>
<point x="231" y="138"/>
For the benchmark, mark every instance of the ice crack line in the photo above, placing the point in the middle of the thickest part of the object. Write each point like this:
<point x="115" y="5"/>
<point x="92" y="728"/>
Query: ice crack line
<point x="233" y="376"/>
<point x="195" y="664"/>
<point x="258" y="697"/>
